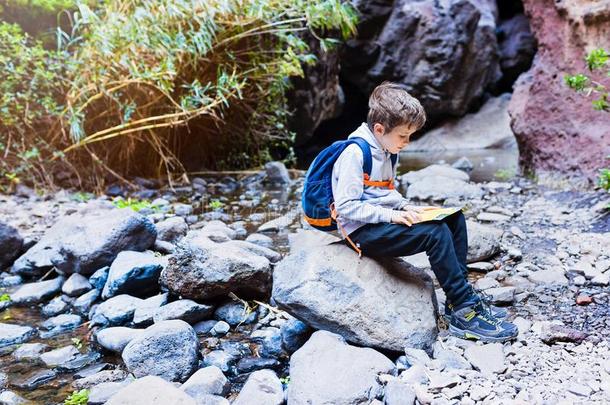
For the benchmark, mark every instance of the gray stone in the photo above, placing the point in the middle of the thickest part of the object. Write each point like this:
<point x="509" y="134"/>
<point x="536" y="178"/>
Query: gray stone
<point x="501" y="295"/>
<point x="14" y="334"/>
<point x="201" y="269"/>
<point x="488" y="358"/>
<point x="548" y="277"/>
<point x="11" y="244"/>
<point x="234" y="313"/>
<point x="100" y="394"/>
<point x="315" y="367"/>
<point x="483" y="241"/>
<point x="29" y="351"/>
<point x="417" y="356"/>
<point x="439" y="188"/>
<point x="59" y="324"/>
<point x="330" y="288"/>
<point x="83" y="243"/>
<point x="492" y="217"/>
<point x="143" y="315"/>
<point x="220" y="328"/>
<point x="99" y="378"/>
<point x="172" y="229"/>
<point x="294" y="334"/>
<point x="398" y="393"/>
<point x="168" y="349"/>
<point x="186" y="310"/>
<point x="98" y="279"/>
<point x="10" y="398"/>
<point x="262" y="387"/>
<point x="447" y="359"/>
<point x="134" y="273"/>
<point x="33" y="380"/>
<point x="207" y="381"/>
<point x="271" y="340"/>
<point x="34" y="293"/>
<point x="260" y="239"/>
<point x="480" y="266"/>
<point x="115" y="311"/>
<point x="84" y="303"/>
<point x="55" y="307"/>
<point x="151" y="390"/>
<point x="276" y="173"/>
<point x="76" y="285"/>
<point x="116" y="338"/>
<point x="415" y="176"/>
<point x="59" y="356"/>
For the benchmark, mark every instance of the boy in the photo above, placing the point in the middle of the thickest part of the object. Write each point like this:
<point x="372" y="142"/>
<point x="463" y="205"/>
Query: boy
<point x="378" y="221"/>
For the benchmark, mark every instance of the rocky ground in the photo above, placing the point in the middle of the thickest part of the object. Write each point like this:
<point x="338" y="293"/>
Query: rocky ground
<point x="218" y="293"/>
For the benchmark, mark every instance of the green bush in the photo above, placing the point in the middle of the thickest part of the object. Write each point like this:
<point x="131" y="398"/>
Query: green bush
<point x="157" y="87"/>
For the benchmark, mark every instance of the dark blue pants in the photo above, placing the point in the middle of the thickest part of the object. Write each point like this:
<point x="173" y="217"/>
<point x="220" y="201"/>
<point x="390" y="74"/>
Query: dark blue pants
<point x="445" y="242"/>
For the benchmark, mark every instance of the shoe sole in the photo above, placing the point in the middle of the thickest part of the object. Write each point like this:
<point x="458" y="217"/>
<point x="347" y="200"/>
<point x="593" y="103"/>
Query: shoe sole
<point x="470" y="335"/>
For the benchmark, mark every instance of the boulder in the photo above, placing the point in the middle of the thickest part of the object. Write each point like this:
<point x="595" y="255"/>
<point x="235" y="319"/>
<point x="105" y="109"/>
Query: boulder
<point x="436" y="170"/>
<point x="557" y="128"/>
<point x="76" y="285"/>
<point x="143" y="316"/>
<point x="168" y="349"/>
<point x="439" y="188"/>
<point x="326" y="370"/>
<point x="151" y="390"/>
<point x="134" y="273"/>
<point x="329" y="287"/>
<point x="171" y="229"/>
<point x="11" y="244"/>
<point x="446" y="52"/>
<point x="207" y="381"/>
<point x="200" y="269"/>
<point x="82" y="243"/>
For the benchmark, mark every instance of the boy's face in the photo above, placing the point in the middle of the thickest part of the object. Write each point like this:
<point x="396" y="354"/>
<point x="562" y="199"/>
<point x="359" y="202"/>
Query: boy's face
<point x="394" y="140"/>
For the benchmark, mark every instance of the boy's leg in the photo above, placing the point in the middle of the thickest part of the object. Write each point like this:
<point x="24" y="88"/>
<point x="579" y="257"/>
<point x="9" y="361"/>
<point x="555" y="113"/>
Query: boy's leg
<point x="457" y="225"/>
<point x="434" y="238"/>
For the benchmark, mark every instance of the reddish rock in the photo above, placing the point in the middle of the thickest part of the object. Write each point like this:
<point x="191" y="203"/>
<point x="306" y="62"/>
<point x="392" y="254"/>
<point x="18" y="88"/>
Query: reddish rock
<point x="584" y="300"/>
<point x="556" y="128"/>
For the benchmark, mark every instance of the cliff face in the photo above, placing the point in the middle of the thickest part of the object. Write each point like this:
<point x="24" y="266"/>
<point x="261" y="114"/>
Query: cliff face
<point x="557" y="129"/>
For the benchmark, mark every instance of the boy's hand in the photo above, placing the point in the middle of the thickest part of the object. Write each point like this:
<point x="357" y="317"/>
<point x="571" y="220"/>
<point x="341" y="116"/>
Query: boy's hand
<point x="406" y="217"/>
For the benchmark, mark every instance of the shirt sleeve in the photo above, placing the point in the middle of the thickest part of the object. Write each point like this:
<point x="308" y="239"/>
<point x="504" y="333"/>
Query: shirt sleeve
<point x="349" y="189"/>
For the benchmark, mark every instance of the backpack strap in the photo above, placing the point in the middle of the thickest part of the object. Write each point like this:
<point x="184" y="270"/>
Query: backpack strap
<point x="367" y="165"/>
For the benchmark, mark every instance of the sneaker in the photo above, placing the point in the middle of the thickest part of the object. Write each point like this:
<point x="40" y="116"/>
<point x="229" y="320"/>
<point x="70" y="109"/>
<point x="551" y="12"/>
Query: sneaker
<point x="496" y="312"/>
<point x="473" y="321"/>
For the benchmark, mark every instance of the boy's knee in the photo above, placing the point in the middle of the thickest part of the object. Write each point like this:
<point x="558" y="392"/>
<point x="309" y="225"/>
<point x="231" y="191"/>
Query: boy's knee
<point x="440" y="232"/>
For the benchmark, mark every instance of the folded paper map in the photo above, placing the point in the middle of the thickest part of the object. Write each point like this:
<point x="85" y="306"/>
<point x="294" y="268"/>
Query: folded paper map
<point x="437" y="214"/>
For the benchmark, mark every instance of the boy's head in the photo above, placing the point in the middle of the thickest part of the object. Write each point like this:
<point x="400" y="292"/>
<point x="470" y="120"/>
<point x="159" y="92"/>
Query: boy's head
<point x="394" y="115"/>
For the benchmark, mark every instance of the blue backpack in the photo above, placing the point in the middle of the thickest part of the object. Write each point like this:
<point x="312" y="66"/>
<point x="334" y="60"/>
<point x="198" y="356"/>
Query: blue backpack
<point x="317" y="196"/>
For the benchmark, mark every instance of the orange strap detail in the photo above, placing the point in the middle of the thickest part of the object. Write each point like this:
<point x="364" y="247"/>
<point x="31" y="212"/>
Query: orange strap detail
<point x="334" y="215"/>
<point x="318" y="222"/>
<point x="386" y="184"/>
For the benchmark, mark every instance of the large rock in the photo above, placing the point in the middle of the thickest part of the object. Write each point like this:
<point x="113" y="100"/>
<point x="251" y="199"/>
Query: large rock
<point x="439" y="188"/>
<point x="168" y="349"/>
<point x="445" y="52"/>
<point x="326" y="370"/>
<point x="10" y="245"/>
<point x="116" y="311"/>
<point x="517" y="48"/>
<point x="83" y="243"/>
<point x="133" y="273"/>
<point x="201" y="269"/>
<point x="556" y="128"/>
<point x="487" y="128"/>
<point x="13" y="334"/>
<point x="387" y="304"/>
<point x="34" y="293"/>
<point x="151" y="390"/>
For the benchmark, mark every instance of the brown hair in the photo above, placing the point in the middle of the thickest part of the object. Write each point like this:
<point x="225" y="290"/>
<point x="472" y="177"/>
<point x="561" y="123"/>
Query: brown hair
<point x="391" y="105"/>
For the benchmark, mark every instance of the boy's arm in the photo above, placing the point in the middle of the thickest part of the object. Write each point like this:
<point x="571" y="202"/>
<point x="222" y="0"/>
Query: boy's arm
<point x="350" y="187"/>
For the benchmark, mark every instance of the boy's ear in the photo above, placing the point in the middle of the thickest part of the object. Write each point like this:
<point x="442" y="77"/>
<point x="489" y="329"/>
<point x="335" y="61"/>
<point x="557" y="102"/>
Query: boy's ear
<point x="378" y="129"/>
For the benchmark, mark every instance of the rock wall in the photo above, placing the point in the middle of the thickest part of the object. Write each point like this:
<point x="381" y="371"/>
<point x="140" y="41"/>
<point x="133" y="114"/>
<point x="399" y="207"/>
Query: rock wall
<point x="557" y="129"/>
